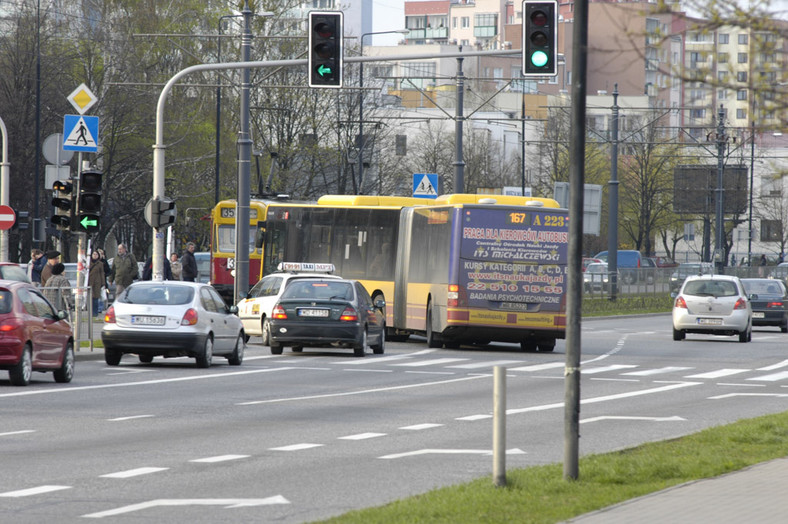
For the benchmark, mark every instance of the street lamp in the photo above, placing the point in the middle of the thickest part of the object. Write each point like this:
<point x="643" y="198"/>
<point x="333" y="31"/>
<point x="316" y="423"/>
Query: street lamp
<point x="219" y="105"/>
<point x="361" y="104"/>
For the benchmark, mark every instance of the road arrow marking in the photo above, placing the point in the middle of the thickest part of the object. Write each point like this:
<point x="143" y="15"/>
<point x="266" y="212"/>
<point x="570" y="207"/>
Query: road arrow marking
<point x="650" y="419"/>
<point x="227" y="503"/>
<point x="513" y="451"/>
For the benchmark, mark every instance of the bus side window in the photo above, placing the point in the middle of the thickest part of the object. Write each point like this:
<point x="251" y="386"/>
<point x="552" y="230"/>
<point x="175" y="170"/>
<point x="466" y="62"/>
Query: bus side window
<point x="259" y="237"/>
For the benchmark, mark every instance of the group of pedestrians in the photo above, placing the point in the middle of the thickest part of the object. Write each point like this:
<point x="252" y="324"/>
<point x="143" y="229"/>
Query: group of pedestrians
<point x="46" y="270"/>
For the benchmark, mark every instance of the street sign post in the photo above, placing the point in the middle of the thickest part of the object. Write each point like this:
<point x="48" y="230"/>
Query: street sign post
<point x="7" y="218"/>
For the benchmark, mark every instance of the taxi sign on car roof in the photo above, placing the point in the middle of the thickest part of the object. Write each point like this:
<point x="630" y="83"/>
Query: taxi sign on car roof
<point x="306" y="266"/>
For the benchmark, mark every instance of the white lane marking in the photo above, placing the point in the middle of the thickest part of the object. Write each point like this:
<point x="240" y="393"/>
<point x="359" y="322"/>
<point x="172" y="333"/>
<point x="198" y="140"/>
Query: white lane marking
<point x="296" y="447"/>
<point x="374" y="360"/>
<point x="362" y="436"/>
<point x="227" y="503"/>
<point x="731" y="395"/>
<point x="513" y="451"/>
<point x="64" y="390"/>
<point x="20" y="432"/>
<point x="650" y="419"/>
<point x="774" y="377"/>
<point x="604" y="369"/>
<point x="539" y="367"/>
<point x="419" y="427"/>
<point x="33" y="491"/>
<point x="219" y="458"/>
<point x="719" y="373"/>
<point x="362" y="392"/>
<point x="432" y="372"/>
<point x="657" y="371"/>
<point x="774" y="366"/>
<point x="433" y="362"/>
<point x="477" y="365"/>
<point x="605" y="398"/>
<point x="474" y="417"/>
<point x="132" y="473"/>
<point x="133" y="417"/>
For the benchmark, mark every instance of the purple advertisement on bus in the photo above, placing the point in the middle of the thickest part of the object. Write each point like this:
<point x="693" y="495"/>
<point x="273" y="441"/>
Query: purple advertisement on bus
<point x="514" y="258"/>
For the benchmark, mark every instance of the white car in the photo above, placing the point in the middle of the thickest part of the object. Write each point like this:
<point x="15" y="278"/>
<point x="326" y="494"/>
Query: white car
<point x="255" y="310"/>
<point x="712" y="305"/>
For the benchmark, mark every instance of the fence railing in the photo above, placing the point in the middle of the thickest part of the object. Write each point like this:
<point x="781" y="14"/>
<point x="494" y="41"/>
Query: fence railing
<point x="81" y="318"/>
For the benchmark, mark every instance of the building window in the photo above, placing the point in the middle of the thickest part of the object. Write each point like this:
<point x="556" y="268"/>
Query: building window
<point x="722" y="94"/>
<point x="743" y="39"/>
<point x="722" y="58"/>
<point x="454" y="22"/>
<point x="742" y="58"/>
<point x="465" y="22"/>
<point x="698" y="113"/>
<point x="771" y="230"/>
<point x="741" y="114"/>
<point x="741" y="94"/>
<point x="741" y="76"/>
<point x="722" y="76"/>
<point x="723" y="38"/>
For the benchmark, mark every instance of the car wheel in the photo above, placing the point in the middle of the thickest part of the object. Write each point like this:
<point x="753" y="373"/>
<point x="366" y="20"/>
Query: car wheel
<point x="205" y="360"/>
<point x="678" y="334"/>
<point x="276" y="348"/>
<point x="360" y="350"/>
<point x="433" y="339"/>
<point x="112" y="357"/>
<point x="744" y="336"/>
<point x="380" y="347"/>
<point x="528" y="346"/>
<point x="784" y="327"/>
<point x="297" y="349"/>
<point x="237" y="356"/>
<point x="20" y="374"/>
<point x="65" y="372"/>
<point x="546" y="346"/>
<point x="145" y="359"/>
<point x="266" y="332"/>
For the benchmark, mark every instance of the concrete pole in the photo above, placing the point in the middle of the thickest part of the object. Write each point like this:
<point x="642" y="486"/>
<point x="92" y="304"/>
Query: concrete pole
<point x="499" y="426"/>
<point x="5" y="183"/>
<point x="612" y="228"/>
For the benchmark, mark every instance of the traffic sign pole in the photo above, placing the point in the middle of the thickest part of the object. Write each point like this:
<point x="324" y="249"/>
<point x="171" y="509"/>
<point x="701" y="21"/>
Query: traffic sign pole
<point x="4" y="188"/>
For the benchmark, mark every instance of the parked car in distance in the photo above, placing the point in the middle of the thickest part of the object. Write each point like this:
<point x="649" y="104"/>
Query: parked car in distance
<point x="203" y="259"/>
<point x="322" y="312"/>
<point x="686" y="269"/>
<point x="628" y="262"/>
<point x="12" y="271"/>
<point x="33" y="336"/>
<point x="780" y="271"/>
<point x="590" y="260"/>
<point x="665" y="262"/>
<point x="172" y="319"/>
<point x="712" y="305"/>
<point x="768" y="299"/>
<point x="596" y="278"/>
<point x="255" y="310"/>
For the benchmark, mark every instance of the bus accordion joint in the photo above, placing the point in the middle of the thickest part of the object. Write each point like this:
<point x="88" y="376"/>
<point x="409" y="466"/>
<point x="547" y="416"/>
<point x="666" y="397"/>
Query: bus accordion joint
<point x="295" y="267"/>
<point x="453" y="296"/>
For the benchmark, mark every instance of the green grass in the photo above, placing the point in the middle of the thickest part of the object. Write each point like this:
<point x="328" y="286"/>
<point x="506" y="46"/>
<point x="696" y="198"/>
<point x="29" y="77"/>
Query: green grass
<point x="541" y="495"/>
<point x="595" y="306"/>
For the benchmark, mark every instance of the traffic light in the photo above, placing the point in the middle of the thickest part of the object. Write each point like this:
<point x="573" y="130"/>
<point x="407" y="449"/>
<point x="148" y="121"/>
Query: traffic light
<point x="63" y="200"/>
<point x="325" y="48"/>
<point x="160" y="212"/>
<point x="540" y="38"/>
<point x="89" y="204"/>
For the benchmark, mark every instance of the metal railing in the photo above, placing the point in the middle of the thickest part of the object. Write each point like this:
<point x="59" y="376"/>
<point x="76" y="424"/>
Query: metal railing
<point x="81" y="318"/>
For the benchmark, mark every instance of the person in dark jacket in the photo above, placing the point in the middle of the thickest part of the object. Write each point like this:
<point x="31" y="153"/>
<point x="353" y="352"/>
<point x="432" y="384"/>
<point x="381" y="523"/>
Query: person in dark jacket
<point x="147" y="269"/>
<point x="96" y="280"/>
<point x="38" y="261"/>
<point x="53" y="258"/>
<point x="189" y="264"/>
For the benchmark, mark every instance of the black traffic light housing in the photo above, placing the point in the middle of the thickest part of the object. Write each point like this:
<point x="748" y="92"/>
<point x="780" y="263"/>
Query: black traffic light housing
<point x="63" y="201"/>
<point x="160" y="212"/>
<point x="89" y="204"/>
<point x="325" y="49"/>
<point x="540" y="38"/>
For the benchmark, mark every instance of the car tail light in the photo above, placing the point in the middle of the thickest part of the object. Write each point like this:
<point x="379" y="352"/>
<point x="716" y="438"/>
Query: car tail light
<point x="190" y="317"/>
<point x="680" y="303"/>
<point x="279" y="313"/>
<point x="740" y="304"/>
<point x="775" y="304"/>
<point x="349" y="315"/>
<point x="109" y="316"/>
<point x="453" y="296"/>
<point x="10" y="324"/>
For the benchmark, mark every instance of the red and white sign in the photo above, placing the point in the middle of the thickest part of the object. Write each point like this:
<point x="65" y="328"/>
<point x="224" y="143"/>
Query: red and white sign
<point x="7" y="218"/>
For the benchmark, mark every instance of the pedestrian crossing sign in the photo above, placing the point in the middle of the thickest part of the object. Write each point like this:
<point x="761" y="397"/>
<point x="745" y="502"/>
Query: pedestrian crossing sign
<point x="425" y="185"/>
<point x="81" y="133"/>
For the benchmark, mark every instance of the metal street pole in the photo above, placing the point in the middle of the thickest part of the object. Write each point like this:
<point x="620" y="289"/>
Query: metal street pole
<point x="219" y="108"/>
<point x="719" y="249"/>
<point x="612" y="218"/>
<point x="459" y="163"/>
<point x="361" y="106"/>
<point x="5" y="184"/>
<point x="752" y="176"/>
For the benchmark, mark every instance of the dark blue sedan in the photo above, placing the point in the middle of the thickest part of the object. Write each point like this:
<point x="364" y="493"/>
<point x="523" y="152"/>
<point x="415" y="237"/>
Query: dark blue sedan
<point x="769" y="299"/>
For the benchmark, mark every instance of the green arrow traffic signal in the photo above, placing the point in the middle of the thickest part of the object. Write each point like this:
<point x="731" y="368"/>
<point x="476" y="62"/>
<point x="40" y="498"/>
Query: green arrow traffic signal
<point x="323" y="70"/>
<point x="88" y="222"/>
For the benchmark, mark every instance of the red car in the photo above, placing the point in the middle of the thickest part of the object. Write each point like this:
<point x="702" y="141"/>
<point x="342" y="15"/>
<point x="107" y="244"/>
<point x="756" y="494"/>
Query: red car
<point x="33" y="336"/>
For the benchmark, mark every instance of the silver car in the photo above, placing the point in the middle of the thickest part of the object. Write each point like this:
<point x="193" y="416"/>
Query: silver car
<point x="713" y="305"/>
<point x="172" y="319"/>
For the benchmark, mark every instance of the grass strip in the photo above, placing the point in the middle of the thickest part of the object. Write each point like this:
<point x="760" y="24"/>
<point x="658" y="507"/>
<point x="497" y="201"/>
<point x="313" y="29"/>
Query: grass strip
<point x="539" y="494"/>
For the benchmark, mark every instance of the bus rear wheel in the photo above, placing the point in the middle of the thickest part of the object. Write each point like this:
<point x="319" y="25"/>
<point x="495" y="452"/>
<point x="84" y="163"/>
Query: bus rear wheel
<point x="433" y="339"/>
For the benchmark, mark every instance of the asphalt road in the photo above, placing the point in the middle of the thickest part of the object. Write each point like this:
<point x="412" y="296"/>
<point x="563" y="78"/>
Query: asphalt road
<point x="299" y="437"/>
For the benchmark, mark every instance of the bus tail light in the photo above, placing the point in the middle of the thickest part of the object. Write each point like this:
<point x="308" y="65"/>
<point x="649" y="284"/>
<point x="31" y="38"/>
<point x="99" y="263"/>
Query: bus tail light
<point x="279" y="313"/>
<point x="349" y="315"/>
<point x="453" y="297"/>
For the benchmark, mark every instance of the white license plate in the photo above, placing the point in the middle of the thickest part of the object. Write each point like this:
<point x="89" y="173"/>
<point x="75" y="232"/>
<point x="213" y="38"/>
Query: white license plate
<point x="758" y="314"/>
<point x="312" y="312"/>
<point x="710" y="321"/>
<point x="143" y="320"/>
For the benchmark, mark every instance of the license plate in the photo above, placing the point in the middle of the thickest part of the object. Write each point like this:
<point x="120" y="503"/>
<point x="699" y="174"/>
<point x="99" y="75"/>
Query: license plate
<point x="143" y="320"/>
<point x="758" y="314"/>
<point x="312" y="312"/>
<point x="710" y="321"/>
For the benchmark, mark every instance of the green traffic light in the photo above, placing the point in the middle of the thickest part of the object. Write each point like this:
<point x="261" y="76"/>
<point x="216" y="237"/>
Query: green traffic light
<point x="539" y="58"/>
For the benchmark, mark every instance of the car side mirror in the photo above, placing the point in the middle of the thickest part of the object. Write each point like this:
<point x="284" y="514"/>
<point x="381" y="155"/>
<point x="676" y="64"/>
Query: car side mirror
<point x="753" y="296"/>
<point x="62" y="315"/>
<point x="674" y="295"/>
<point x="380" y="303"/>
<point x="233" y="310"/>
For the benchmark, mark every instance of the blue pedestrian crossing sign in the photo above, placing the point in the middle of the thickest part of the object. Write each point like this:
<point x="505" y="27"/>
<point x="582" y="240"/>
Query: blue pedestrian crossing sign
<point x="425" y="185"/>
<point x="81" y="133"/>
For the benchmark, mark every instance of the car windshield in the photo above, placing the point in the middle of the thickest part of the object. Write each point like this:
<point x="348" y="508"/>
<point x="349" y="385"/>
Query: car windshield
<point x="170" y="295"/>
<point x="597" y="268"/>
<point x="13" y="273"/>
<point x="319" y="289"/>
<point x="763" y="287"/>
<point x="711" y="288"/>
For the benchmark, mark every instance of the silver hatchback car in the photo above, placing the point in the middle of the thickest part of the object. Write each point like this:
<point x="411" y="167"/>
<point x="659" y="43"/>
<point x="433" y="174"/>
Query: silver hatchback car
<point x="172" y="319"/>
<point x="712" y="305"/>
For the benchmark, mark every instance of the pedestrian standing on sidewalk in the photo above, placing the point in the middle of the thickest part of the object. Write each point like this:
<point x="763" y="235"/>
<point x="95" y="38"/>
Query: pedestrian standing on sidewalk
<point x="53" y="257"/>
<point x="124" y="270"/>
<point x="96" y="280"/>
<point x="189" y="264"/>
<point x="57" y="288"/>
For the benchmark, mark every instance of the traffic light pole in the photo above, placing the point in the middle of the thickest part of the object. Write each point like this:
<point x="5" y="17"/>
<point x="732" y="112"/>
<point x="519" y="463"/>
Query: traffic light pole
<point x="5" y="184"/>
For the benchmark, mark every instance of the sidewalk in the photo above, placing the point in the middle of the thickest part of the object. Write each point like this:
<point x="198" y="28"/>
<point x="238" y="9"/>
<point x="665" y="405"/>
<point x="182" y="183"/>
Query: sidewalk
<point x="755" y="494"/>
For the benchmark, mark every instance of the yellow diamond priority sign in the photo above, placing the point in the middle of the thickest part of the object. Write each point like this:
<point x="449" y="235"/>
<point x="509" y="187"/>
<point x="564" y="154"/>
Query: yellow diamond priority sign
<point x="82" y="99"/>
